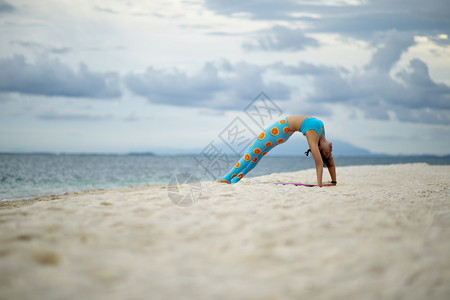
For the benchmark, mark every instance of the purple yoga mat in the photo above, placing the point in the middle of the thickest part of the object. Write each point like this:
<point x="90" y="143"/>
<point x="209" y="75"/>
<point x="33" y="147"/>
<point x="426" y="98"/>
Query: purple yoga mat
<point x="299" y="184"/>
<point x="293" y="183"/>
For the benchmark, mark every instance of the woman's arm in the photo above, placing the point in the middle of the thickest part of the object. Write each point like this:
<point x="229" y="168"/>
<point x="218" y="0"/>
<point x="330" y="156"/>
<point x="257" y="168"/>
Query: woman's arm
<point x="313" y="141"/>
<point x="332" y="169"/>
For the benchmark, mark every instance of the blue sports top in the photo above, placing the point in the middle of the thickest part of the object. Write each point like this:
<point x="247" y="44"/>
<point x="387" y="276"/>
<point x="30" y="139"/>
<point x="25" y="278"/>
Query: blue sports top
<point x="312" y="123"/>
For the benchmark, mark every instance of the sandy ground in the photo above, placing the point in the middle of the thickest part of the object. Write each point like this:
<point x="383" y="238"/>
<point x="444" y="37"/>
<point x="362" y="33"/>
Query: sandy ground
<point x="383" y="233"/>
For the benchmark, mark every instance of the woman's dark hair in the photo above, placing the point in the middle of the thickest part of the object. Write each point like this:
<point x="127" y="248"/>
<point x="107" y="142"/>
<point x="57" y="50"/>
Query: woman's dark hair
<point x="325" y="160"/>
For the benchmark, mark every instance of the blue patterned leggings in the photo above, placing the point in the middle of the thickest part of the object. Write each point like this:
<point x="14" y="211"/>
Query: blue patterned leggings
<point x="273" y="135"/>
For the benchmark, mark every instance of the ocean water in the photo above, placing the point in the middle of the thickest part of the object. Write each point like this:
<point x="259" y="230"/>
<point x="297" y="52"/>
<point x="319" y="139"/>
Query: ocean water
<point x="31" y="175"/>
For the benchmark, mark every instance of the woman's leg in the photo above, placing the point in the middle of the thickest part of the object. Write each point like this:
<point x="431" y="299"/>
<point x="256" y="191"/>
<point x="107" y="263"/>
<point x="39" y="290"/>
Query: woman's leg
<point x="274" y="135"/>
<point x="249" y="160"/>
<point x="237" y="172"/>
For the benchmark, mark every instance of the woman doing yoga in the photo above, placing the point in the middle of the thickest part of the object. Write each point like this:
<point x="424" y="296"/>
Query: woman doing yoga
<point x="279" y="133"/>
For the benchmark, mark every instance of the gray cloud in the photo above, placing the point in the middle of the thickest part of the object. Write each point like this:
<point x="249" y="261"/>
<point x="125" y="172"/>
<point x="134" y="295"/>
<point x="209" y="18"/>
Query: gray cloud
<point x="105" y="10"/>
<point x="50" y="77"/>
<point x="437" y="10"/>
<point x="215" y="86"/>
<point x="257" y="9"/>
<point x="5" y="7"/>
<point x="423" y="92"/>
<point x="176" y="87"/>
<point x="304" y="68"/>
<point x="377" y="94"/>
<point x="57" y="116"/>
<point x="392" y="46"/>
<point x="440" y="41"/>
<point x="412" y="96"/>
<point x="280" y="38"/>
<point x="40" y="48"/>
<point x="363" y="24"/>
<point x="355" y="20"/>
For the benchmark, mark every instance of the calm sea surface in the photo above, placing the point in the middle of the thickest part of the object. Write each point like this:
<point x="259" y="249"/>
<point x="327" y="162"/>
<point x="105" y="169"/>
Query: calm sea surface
<point x="31" y="175"/>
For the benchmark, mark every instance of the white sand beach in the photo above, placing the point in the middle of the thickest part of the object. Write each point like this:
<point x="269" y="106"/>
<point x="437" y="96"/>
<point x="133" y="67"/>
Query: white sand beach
<point x="382" y="233"/>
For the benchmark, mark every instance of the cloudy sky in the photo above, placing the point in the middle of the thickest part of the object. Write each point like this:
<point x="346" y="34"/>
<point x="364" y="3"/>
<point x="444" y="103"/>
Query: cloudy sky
<point x="166" y="76"/>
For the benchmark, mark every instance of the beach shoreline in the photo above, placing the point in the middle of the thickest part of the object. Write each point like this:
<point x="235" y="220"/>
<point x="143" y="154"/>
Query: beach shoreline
<point x="17" y="203"/>
<point x="382" y="233"/>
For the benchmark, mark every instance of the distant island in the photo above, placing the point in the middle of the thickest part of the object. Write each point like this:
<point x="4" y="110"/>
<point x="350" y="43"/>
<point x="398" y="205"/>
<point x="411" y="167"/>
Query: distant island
<point x="148" y="153"/>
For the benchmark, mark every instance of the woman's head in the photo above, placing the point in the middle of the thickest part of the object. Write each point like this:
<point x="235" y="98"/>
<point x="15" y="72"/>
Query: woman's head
<point x="325" y="148"/>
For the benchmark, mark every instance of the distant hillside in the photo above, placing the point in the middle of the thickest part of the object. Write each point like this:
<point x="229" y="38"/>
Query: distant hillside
<point x="341" y="148"/>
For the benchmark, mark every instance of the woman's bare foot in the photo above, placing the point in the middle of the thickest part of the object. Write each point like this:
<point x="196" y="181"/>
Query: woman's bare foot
<point x="222" y="181"/>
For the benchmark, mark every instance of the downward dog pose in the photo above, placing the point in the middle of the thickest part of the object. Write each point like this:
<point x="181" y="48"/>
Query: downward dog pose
<point x="280" y="132"/>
